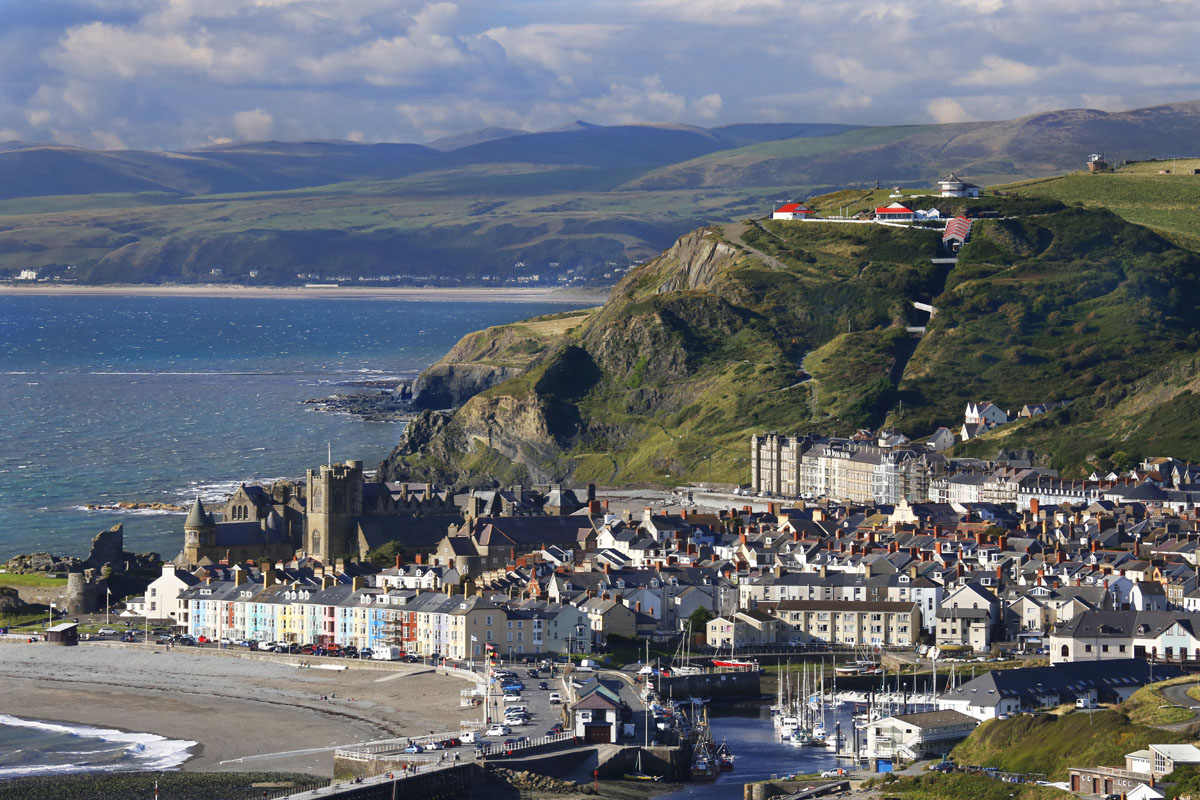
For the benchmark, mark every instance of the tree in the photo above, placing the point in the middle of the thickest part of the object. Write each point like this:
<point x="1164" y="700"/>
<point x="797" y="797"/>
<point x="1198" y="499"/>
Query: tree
<point x="699" y="619"/>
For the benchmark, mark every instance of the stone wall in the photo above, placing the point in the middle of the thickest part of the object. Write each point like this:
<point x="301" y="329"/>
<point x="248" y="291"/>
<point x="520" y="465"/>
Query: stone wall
<point x="711" y="684"/>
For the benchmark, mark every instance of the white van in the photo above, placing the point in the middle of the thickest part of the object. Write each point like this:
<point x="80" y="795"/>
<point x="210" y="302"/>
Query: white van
<point x="386" y="653"/>
<point x="470" y="737"/>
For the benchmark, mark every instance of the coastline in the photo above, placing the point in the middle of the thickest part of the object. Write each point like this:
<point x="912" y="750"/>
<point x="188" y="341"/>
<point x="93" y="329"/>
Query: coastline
<point x="245" y="714"/>
<point x="466" y="294"/>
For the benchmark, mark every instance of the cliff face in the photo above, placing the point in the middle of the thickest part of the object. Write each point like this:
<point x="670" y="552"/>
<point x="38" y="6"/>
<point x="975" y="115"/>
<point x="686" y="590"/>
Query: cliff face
<point x="489" y="357"/>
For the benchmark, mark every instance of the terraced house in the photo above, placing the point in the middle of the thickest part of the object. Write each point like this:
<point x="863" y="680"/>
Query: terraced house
<point x="855" y="624"/>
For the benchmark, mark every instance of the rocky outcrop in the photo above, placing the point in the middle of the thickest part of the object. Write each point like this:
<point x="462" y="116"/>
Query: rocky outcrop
<point x="695" y="260"/>
<point x="640" y="353"/>
<point x="449" y="385"/>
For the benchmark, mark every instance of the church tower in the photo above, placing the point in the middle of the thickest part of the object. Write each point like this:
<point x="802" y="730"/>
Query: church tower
<point x="199" y="534"/>
<point x="335" y="493"/>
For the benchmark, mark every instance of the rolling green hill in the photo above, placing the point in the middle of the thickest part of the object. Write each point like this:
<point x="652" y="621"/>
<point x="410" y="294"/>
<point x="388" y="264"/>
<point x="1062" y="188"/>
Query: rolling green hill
<point x="802" y="327"/>
<point x="570" y="204"/>
<point x="989" y="152"/>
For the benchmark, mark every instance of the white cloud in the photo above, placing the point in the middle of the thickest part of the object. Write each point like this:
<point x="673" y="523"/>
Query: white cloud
<point x="946" y="109"/>
<point x="556" y="47"/>
<point x="255" y="124"/>
<point x="998" y="71"/>
<point x="177" y="71"/>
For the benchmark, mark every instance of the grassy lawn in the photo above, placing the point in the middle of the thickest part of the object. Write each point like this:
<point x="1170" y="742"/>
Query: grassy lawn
<point x="1148" y="706"/>
<point x="46" y="581"/>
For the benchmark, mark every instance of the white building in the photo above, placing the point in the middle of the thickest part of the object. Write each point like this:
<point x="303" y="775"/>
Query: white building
<point x="954" y="186"/>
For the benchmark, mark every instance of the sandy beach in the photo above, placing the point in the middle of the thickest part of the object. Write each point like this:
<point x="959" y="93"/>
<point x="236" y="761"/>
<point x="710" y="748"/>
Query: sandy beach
<point x="254" y="709"/>
<point x="471" y="294"/>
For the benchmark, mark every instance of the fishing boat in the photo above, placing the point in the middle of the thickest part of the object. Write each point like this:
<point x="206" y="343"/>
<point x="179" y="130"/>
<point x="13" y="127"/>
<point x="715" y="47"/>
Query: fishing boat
<point x="724" y="757"/>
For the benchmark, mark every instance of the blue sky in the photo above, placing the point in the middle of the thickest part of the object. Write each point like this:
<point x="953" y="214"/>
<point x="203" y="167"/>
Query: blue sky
<point x="174" y="74"/>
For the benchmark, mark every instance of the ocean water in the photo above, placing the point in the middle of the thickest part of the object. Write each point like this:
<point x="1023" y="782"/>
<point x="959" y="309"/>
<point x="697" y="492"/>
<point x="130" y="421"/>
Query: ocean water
<point x="32" y="747"/>
<point x="104" y="399"/>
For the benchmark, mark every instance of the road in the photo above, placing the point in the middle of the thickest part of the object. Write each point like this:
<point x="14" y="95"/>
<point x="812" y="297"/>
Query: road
<point x="1178" y="694"/>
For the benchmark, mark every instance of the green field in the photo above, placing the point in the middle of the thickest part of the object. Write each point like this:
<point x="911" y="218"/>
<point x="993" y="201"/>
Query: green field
<point x="14" y="579"/>
<point x="1166" y="203"/>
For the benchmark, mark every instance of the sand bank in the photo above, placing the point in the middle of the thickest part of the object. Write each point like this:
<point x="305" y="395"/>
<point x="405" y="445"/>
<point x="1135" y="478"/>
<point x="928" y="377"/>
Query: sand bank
<point x="472" y="294"/>
<point x="236" y="708"/>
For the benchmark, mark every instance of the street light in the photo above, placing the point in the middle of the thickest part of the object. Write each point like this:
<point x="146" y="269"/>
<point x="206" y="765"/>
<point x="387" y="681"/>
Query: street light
<point x="51" y="623"/>
<point x="107" y="603"/>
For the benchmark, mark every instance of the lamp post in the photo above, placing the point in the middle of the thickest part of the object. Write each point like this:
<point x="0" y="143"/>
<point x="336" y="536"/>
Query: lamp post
<point x="107" y="603"/>
<point x="50" y="624"/>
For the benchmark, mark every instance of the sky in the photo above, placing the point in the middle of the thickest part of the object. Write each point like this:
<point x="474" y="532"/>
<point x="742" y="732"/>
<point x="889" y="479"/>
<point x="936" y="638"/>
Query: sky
<point x="176" y="74"/>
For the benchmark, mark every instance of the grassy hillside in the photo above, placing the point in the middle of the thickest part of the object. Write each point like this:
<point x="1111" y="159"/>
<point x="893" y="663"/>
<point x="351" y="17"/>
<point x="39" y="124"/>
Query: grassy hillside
<point x="986" y="152"/>
<point x="955" y="786"/>
<point x="1048" y="744"/>
<point x="1165" y="203"/>
<point x="802" y="327"/>
<point x="571" y="203"/>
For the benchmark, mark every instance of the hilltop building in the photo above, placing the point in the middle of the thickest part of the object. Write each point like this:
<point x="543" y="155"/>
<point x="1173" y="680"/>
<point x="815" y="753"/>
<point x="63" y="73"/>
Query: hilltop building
<point x="794" y="211"/>
<point x="895" y="212"/>
<point x="954" y="186"/>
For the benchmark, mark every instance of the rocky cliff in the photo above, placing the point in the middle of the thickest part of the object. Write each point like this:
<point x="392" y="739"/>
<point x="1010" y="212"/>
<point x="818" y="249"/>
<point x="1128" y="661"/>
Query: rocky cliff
<point x="700" y="348"/>
<point x="485" y="358"/>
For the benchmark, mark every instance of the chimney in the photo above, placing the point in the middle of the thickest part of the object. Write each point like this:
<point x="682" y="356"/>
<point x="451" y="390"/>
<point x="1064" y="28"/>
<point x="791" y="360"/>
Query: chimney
<point x="937" y="546"/>
<point x="397" y="561"/>
<point x="593" y="506"/>
<point x="604" y="505"/>
<point x="999" y="573"/>
<point x="268" y="577"/>
<point x="326" y="581"/>
<point x="646" y="516"/>
<point x="742" y="537"/>
<point x="924" y="555"/>
<point x="419" y="559"/>
<point x="638" y="606"/>
<point x="1060" y="556"/>
<point x="1034" y="506"/>
<point x="356" y="583"/>
<point x="1093" y="545"/>
<point x="605" y="567"/>
<point x="958" y="570"/>
<point x="773" y="508"/>
<point x="1002" y="541"/>
<point x="979" y="538"/>
<point x="683" y="513"/>
<point x="795" y="535"/>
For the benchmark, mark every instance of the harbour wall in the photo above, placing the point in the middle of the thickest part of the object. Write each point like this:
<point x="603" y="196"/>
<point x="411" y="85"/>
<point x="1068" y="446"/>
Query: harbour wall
<point x="711" y="684"/>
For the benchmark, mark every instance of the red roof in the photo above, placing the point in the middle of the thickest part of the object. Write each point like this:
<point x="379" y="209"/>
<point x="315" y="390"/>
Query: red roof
<point x="893" y="210"/>
<point x="795" y="208"/>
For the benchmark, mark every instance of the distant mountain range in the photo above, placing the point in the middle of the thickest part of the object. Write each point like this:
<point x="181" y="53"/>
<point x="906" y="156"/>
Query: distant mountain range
<point x="553" y="206"/>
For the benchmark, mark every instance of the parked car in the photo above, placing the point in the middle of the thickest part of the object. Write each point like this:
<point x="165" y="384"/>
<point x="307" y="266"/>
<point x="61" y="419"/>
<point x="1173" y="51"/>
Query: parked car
<point x="106" y="632"/>
<point x="452" y="742"/>
<point x="498" y="730"/>
<point x="433" y="746"/>
<point x="366" y="652"/>
<point x="543" y="685"/>
<point x="414" y="748"/>
<point x="943" y="766"/>
<point x="555" y="698"/>
<point x="512" y="697"/>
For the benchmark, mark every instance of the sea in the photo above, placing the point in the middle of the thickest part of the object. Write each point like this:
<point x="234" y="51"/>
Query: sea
<point x="165" y="398"/>
<point x="30" y="747"/>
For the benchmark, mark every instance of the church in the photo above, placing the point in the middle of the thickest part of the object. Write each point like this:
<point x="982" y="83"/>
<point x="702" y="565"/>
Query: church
<point x="335" y="513"/>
